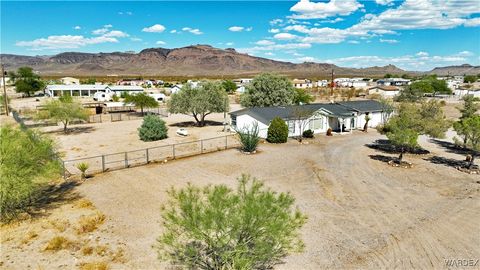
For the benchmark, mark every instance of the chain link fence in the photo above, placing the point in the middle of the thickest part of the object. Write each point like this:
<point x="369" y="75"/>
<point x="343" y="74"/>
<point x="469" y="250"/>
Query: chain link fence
<point x="121" y="160"/>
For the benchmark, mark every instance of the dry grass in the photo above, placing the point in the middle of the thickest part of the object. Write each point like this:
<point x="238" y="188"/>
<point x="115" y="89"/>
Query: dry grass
<point x="88" y="224"/>
<point x="29" y="236"/>
<point x="118" y="256"/>
<point x="87" y="250"/>
<point x="59" y="225"/>
<point x="94" y="266"/>
<point x="84" y="203"/>
<point x="58" y="243"/>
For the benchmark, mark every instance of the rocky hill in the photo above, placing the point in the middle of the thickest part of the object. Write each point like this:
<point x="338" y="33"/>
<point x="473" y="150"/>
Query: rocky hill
<point x="196" y="60"/>
<point x="464" y="69"/>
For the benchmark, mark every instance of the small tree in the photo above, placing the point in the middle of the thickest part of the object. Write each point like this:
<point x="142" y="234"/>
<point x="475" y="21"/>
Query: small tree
<point x="470" y="128"/>
<point x="141" y="100"/>
<point x="153" y="129"/>
<point x="410" y="94"/>
<point x="27" y="160"/>
<point x="207" y="98"/>
<point x="64" y="110"/>
<point x="249" y="138"/>
<point x="229" y="86"/>
<point x="219" y="228"/>
<point x="387" y="109"/>
<point x="27" y="82"/>
<point x="367" y="119"/>
<point x="277" y="131"/>
<point x="268" y="90"/>
<point x="470" y="79"/>
<point x="302" y="97"/>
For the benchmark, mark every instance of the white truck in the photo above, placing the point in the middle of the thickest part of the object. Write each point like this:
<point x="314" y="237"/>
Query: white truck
<point x="157" y="96"/>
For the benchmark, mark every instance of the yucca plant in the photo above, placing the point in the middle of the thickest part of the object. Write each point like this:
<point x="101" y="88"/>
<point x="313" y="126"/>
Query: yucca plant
<point x="83" y="167"/>
<point x="249" y="138"/>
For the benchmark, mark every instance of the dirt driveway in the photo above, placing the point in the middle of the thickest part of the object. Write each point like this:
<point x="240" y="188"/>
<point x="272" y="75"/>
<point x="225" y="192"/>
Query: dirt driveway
<point x="362" y="213"/>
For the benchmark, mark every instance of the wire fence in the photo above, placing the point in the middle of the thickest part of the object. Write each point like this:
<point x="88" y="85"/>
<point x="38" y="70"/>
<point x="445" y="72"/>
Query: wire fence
<point x="128" y="159"/>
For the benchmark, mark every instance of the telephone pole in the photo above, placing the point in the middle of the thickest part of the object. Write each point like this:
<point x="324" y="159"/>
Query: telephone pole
<point x="5" y="98"/>
<point x="332" y="84"/>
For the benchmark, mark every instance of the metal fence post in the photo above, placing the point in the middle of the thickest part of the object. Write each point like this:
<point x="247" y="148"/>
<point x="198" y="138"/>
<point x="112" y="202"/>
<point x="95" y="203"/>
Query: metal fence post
<point x="147" y="155"/>
<point x="126" y="160"/>
<point x="103" y="163"/>
<point x="226" y="142"/>
<point x="63" y="168"/>
<point x="173" y="150"/>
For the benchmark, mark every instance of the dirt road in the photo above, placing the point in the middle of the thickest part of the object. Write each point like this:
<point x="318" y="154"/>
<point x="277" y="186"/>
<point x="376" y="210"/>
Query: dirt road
<point x="362" y="213"/>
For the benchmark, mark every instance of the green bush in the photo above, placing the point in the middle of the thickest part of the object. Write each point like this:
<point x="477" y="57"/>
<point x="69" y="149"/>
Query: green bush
<point x="216" y="227"/>
<point x="27" y="161"/>
<point x="308" y="133"/>
<point x="277" y="131"/>
<point x="153" y="129"/>
<point x="249" y="138"/>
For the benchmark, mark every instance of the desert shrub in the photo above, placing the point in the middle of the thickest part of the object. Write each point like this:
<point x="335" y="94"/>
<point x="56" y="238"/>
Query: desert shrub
<point x="27" y="161"/>
<point x="58" y="243"/>
<point x="84" y="203"/>
<point x="308" y="133"/>
<point x="220" y="228"/>
<point x="83" y="167"/>
<point x="249" y="138"/>
<point x="277" y="131"/>
<point x="94" y="266"/>
<point x="153" y="129"/>
<point x="88" y="224"/>
<point x="443" y="103"/>
<point x="115" y="98"/>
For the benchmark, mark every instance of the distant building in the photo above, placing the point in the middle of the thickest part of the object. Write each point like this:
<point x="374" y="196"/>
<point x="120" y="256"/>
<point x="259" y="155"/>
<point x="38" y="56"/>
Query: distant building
<point x="302" y="83"/>
<point x="393" y="81"/>
<point x="88" y="90"/>
<point x="70" y="80"/>
<point x="7" y="81"/>
<point x="175" y="88"/>
<point x="460" y="93"/>
<point x="322" y="83"/>
<point x="384" y="90"/>
<point x="351" y="82"/>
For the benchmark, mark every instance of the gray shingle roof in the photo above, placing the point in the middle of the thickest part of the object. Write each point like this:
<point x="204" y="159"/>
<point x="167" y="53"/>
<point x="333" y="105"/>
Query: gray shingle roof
<point x="266" y="114"/>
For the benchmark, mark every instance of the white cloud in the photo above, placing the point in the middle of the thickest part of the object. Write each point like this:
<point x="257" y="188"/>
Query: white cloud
<point x="307" y="59"/>
<point x="116" y="33"/>
<point x="276" y="21"/>
<point x="274" y="30"/>
<point x="160" y="42"/>
<point x="384" y="2"/>
<point x="354" y="42"/>
<point x="236" y="28"/>
<point x="464" y="53"/>
<point x="264" y="42"/>
<point x="108" y="26"/>
<point x="284" y="36"/>
<point x="391" y="41"/>
<point x="173" y="31"/>
<point x="136" y="39"/>
<point x="422" y="54"/>
<point x="305" y="9"/>
<point x="338" y="19"/>
<point x="274" y="47"/>
<point x="472" y="22"/>
<point x="248" y="29"/>
<point x="229" y="43"/>
<point x="156" y="28"/>
<point x="195" y="31"/>
<point x="269" y="53"/>
<point x="64" y="42"/>
<point x="100" y="31"/>
<point x="77" y="27"/>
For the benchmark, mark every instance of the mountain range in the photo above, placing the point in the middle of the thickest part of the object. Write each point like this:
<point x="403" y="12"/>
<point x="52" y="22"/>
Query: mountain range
<point x="193" y="61"/>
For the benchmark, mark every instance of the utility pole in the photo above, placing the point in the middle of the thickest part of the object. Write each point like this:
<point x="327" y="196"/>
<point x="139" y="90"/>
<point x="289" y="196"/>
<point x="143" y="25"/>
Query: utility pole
<point x="332" y="84"/>
<point x="5" y="98"/>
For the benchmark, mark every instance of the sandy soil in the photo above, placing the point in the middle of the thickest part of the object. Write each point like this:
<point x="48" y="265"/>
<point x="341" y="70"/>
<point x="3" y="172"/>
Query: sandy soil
<point x="362" y="212"/>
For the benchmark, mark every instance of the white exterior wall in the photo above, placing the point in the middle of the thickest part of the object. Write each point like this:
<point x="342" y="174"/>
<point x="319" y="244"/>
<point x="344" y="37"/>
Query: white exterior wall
<point x="246" y="120"/>
<point x="375" y="120"/>
<point x="383" y="93"/>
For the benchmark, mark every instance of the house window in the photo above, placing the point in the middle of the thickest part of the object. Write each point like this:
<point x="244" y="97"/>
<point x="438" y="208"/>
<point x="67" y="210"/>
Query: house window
<point x="234" y="120"/>
<point x="291" y="127"/>
<point x="316" y="123"/>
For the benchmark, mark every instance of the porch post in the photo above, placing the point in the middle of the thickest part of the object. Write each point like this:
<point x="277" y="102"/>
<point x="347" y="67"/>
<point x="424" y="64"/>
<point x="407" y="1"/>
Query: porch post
<point x="340" y="120"/>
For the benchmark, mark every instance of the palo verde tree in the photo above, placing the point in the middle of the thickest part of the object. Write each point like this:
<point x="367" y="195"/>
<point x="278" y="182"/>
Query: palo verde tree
<point x="268" y="90"/>
<point x="229" y="86"/>
<point x="208" y="97"/>
<point x="27" y="82"/>
<point x="141" y="100"/>
<point x="413" y="120"/>
<point x="302" y="97"/>
<point x="470" y="108"/>
<point x="64" y="110"/>
<point x="216" y="227"/>
<point x="27" y="160"/>
<point x="470" y="128"/>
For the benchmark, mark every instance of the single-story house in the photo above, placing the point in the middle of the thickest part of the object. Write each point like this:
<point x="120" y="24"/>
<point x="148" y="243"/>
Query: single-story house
<point x="70" y="80"/>
<point x="319" y="117"/>
<point x="384" y="90"/>
<point x="88" y="90"/>
<point x="463" y="92"/>
<point x="302" y="83"/>
<point x="393" y="81"/>
<point x="175" y="88"/>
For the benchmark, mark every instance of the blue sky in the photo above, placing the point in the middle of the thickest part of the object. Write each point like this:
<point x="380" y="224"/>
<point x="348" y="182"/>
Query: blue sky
<point x="411" y="34"/>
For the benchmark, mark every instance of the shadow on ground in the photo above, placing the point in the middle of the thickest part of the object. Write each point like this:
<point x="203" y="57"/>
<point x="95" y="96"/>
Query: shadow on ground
<point x="383" y="158"/>
<point x="51" y="197"/>
<point x="72" y="130"/>
<point x="451" y="147"/>
<point x="194" y="124"/>
<point x="386" y="147"/>
<point x="449" y="162"/>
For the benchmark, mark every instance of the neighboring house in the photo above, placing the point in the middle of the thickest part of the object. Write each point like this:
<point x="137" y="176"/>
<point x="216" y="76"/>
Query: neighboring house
<point x="302" y="83"/>
<point x="340" y="117"/>
<point x="393" y="82"/>
<point x="240" y="89"/>
<point x="351" y="82"/>
<point x="243" y="81"/>
<point x="88" y="90"/>
<point x="459" y="93"/>
<point x="7" y="81"/>
<point x="70" y="81"/>
<point x="175" y="88"/>
<point x="322" y="83"/>
<point x="384" y="91"/>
